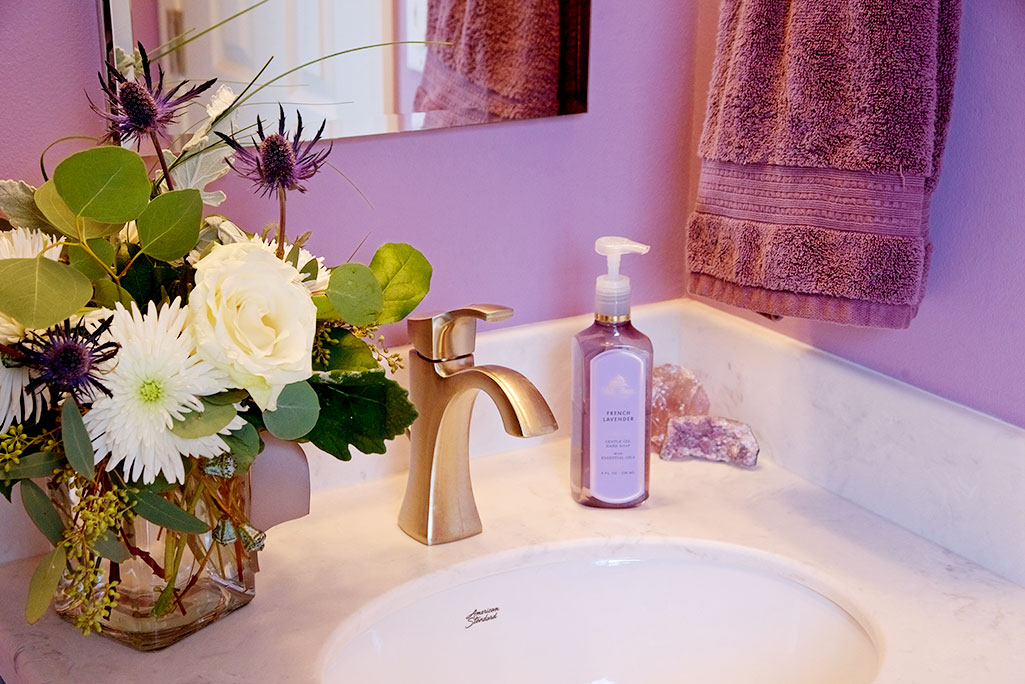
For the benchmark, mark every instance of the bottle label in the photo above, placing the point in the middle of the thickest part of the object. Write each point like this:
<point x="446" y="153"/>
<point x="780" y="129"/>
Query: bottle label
<point x="617" y="426"/>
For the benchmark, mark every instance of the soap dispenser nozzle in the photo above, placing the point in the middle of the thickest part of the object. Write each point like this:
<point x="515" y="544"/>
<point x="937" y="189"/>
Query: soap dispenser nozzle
<point x="612" y="290"/>
<point x="612" y="247"/>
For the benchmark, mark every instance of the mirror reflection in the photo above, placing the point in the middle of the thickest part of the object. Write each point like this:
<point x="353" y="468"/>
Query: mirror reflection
<point x="483" y="61"/>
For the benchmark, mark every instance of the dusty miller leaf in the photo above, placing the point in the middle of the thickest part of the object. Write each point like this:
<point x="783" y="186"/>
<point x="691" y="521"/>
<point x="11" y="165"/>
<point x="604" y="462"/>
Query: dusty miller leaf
<point x="17" y="200"/>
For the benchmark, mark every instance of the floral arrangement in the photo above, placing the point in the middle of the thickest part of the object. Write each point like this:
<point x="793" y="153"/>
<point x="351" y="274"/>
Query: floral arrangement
<point x="149" y="347"/>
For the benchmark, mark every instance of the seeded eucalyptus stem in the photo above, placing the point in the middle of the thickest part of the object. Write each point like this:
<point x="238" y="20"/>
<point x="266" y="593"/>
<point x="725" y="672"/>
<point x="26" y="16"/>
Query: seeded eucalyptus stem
<point x="160" y="158"/>
<point x="281" y="224"/>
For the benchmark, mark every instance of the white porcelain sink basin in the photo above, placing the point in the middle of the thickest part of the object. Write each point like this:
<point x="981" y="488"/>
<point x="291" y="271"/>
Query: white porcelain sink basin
<point x="609" y="613"/>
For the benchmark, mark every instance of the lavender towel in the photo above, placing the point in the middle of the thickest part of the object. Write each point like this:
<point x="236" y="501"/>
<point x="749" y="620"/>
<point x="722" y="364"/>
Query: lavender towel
<point x="503" y="61"/>
<point x="823" y="135"/>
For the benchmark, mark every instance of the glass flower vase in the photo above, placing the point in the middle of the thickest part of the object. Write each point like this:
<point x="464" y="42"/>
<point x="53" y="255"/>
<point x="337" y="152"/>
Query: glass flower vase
<point x="215" y="576"/>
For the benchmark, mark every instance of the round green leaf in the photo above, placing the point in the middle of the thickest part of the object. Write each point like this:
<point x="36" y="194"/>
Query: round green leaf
<point x="355" y="294"/>
<point x="86" y="264"/>
<point x="296" y="414"/>
<point x="211" y="420"/>
<point x="245" y="445"/>
<point x="108" y="184"/>
<point x="404" y="275"/>
<point x="107" y="293"/>
<point x="64" y="220"/>
<point x="41" y="292"/>
<point x="169" y="227"/>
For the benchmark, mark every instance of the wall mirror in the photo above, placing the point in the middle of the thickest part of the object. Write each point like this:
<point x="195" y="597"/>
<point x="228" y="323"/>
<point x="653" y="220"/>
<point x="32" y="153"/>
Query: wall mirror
<point x="507" y="59"/>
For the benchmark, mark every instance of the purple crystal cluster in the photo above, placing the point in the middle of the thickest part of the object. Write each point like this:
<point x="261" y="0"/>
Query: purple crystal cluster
<point x="681" y="427"/>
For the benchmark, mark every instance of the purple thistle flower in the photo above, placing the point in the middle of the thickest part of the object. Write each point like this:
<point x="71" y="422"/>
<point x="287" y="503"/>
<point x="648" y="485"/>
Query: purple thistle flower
<point x="66" y="359"/>
<point x="139" y="109"/>
<point x="277" y="163"/>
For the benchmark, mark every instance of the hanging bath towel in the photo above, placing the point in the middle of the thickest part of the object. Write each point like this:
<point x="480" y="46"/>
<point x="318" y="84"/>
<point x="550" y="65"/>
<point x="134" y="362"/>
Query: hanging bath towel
<point x="821" y="147"/>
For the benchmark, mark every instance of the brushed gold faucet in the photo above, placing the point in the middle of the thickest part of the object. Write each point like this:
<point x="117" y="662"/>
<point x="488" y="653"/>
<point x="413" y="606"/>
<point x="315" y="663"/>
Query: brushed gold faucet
<point x="443" y="382"/>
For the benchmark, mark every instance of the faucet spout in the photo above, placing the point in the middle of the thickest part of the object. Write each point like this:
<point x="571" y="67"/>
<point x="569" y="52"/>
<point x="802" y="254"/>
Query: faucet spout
<point x="439" y="506"/>
<point x="525" y="413"/>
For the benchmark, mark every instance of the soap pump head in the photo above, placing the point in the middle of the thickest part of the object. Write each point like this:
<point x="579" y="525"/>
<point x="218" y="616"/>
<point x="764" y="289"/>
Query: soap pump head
<point x="612" y="290"/>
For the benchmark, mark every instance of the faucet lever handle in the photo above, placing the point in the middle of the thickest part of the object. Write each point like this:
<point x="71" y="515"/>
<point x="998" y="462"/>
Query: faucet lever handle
<point x="451" y="334"/>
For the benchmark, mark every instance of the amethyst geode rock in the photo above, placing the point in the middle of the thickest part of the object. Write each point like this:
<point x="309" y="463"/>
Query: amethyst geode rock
<point x="710" y="438"/>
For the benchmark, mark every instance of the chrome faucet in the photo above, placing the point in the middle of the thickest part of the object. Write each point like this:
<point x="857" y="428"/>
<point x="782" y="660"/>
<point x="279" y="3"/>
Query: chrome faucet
<point x="443" y="382"/>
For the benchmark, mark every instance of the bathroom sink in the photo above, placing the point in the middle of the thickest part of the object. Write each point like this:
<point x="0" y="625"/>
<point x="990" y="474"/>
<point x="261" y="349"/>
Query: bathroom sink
<point x="609" y="612"/>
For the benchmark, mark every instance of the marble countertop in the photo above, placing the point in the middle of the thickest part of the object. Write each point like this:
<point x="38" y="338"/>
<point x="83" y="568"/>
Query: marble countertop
<point x="937" y="617"/>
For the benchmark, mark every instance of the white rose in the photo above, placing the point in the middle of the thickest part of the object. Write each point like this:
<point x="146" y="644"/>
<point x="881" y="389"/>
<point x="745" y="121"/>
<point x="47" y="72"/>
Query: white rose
<point x="253" y="319"/>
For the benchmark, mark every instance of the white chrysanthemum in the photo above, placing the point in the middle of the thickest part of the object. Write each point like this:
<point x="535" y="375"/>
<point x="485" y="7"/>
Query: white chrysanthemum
<point x="158" y="379"/>
<point x="15" y="405"/>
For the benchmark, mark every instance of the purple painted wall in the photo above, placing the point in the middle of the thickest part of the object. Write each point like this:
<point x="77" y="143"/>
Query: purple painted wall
<point x="508" y="213"/>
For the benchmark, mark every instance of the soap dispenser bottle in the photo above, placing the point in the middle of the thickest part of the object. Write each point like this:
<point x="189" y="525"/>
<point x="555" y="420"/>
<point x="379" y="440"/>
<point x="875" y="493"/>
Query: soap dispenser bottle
<point x="611" y="393"/>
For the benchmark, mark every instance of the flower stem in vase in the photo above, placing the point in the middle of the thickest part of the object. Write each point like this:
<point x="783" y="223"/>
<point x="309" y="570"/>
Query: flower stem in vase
<point x="160" y="158"/>
<point x="281" y="224"/>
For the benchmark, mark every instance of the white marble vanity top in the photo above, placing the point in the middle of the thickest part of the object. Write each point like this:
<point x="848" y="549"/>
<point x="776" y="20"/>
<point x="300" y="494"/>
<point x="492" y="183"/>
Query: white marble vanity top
<point x="935" y="616"/>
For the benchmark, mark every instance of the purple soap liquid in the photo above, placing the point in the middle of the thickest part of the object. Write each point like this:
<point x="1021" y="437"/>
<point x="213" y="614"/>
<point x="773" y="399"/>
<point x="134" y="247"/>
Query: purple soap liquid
<point x="611" y="415"/>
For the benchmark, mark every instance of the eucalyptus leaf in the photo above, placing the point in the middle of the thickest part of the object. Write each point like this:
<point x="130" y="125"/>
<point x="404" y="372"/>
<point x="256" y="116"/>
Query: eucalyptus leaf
<point x="359" y="409"/>
<point x="109" y="184"/>
<point x="86" y="264"/>
<point x="297" y="411"/>
<point x="159" y="510"/>
<point x="232" y="396"/>
<point x="404" y="275"/>
<point x="41" y="511"/>
<point x="43" y="584"/>
<point x="111" y="548"/>
<point x="38" y="464"/>
<point x="169" y="227"/>
<point x="107" y="293"/>
<point x="77" y="446"/>
<point x="355" y="294"/>
<point x="245" y="445"/>
<point x="211" y="420"/>
<point x="6" y="489"/>
<point x="346" y="352"/>
<point x="325" y="312"/>
<point x="40" y="292"/>
<point x="17" y="200"/>
<point x="63" y="219"/>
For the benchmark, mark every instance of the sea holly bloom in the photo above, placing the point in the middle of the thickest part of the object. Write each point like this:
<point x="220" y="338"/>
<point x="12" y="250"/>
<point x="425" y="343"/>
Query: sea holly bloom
<point x="68" y="359"/>
<point x="277" y="164"/>
<point x="140" y="109"/>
